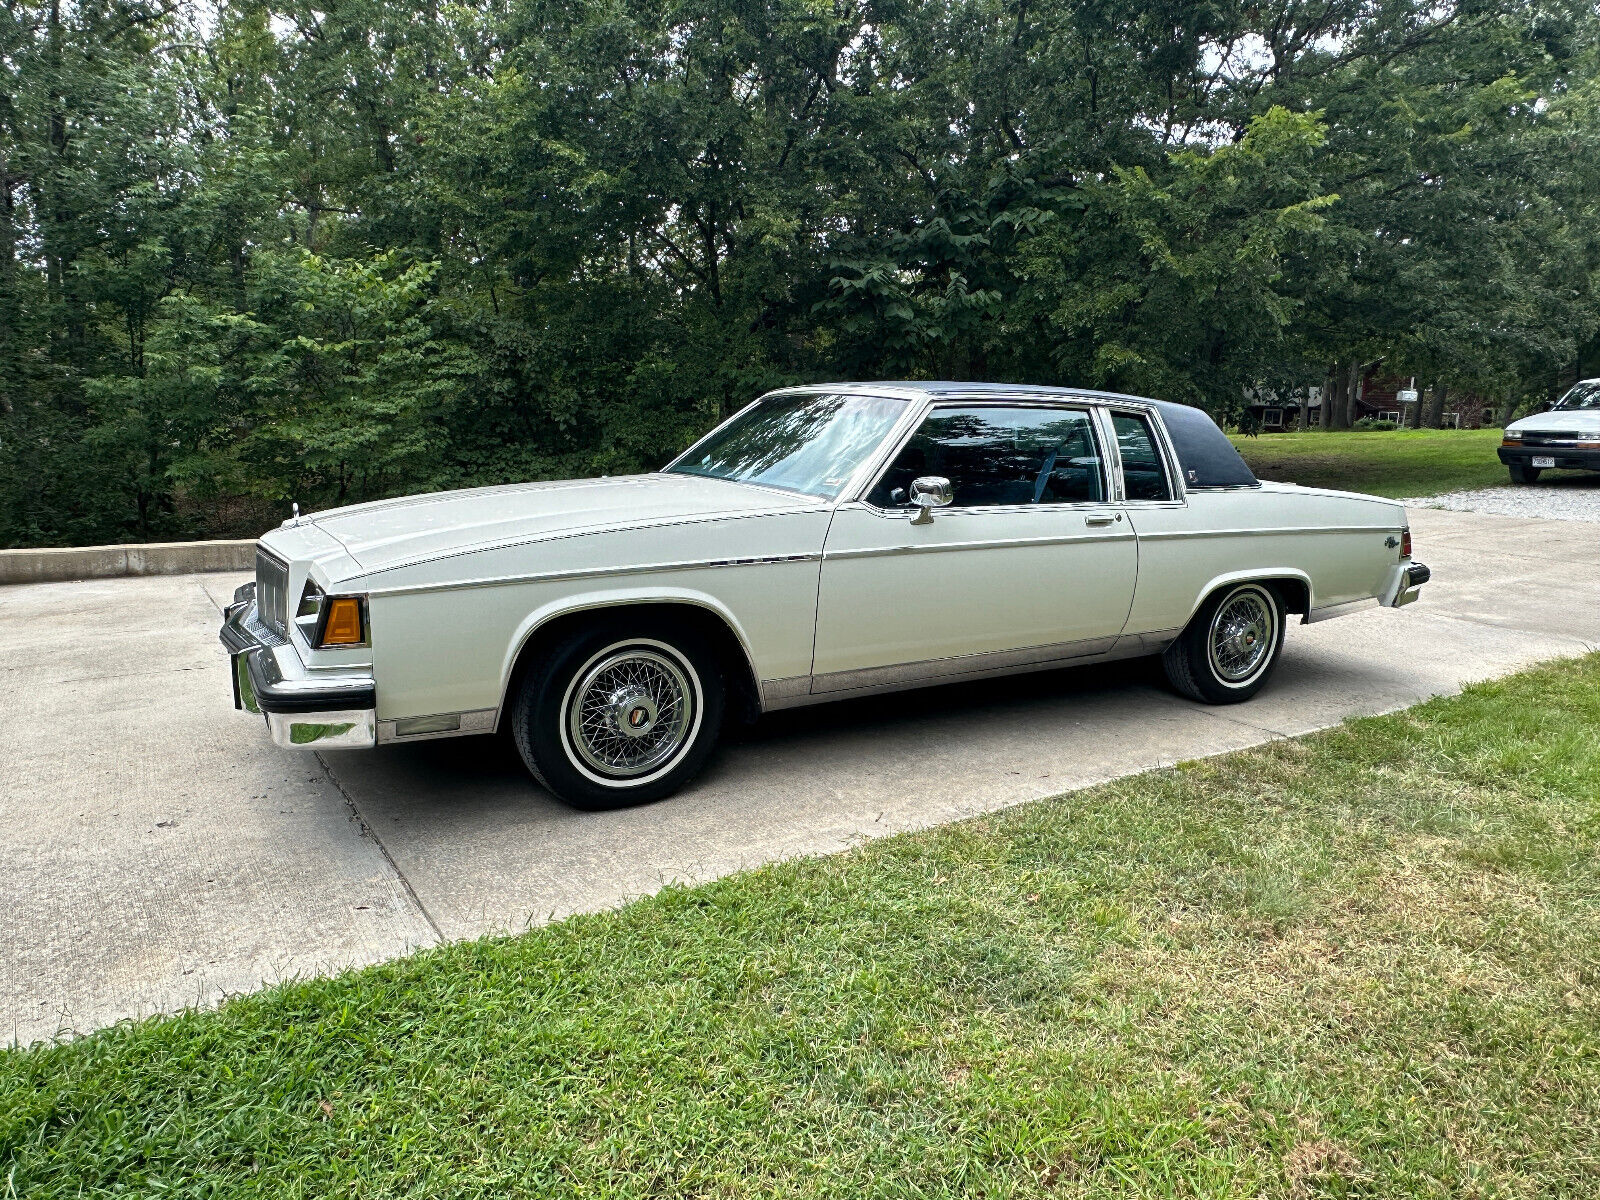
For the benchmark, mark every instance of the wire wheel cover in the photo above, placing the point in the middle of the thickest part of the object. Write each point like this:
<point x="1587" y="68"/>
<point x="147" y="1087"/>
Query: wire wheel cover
<point x="1243" y="633"/>
<point x="630" y="712"/>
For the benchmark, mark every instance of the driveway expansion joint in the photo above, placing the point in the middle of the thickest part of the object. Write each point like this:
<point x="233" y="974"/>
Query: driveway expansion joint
<point x="367" y="830"/>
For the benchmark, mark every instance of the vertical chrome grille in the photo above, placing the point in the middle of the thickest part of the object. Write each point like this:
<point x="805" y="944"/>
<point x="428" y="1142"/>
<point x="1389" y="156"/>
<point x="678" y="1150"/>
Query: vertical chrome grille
<point x="272" y="592"/>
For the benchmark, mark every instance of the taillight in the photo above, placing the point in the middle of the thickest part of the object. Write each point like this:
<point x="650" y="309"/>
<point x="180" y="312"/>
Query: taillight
<point x="1405" y="543"/>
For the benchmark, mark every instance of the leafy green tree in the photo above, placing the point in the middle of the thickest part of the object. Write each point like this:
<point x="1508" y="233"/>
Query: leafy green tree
<point x="331" y="252"/>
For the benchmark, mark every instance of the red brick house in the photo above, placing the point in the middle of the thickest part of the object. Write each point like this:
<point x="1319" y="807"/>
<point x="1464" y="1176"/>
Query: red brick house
<point x="1378" y="399"/>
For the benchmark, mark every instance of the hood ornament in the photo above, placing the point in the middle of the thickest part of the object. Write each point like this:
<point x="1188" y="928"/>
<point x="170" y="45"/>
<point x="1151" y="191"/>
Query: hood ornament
<point x="294" y="520"/>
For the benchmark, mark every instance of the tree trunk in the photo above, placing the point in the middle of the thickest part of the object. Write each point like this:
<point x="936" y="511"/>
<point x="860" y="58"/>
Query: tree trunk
<point x="1508" y="410"/>
<point x="1433" y="413"/>
<point x="1333" y="409"/>
<point x="1352" y="393"/>
<point x="10" y="306"/>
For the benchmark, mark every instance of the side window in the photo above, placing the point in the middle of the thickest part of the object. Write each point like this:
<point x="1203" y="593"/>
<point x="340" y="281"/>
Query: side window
<point x="994" y="456"/>
<point x="1144" y="475"/>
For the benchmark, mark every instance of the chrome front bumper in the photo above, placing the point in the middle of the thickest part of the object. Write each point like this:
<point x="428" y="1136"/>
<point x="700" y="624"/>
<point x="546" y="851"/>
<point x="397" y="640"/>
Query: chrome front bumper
<point x="332" y="711"/>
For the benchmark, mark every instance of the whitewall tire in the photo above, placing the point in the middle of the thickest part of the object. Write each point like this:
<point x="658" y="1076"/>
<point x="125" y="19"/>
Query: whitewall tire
<point x="1229" y="649"/>
<point x="619" y="715"/>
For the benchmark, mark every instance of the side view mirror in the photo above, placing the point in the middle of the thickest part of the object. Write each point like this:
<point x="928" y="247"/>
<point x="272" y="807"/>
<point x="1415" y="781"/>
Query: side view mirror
<point x="928" y="493"/>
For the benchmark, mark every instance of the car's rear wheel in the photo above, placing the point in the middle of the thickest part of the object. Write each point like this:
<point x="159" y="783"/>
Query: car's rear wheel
<point x="1521" y="474"/>
<point x="1229" y="649"/>
<point x="619" y="715"/>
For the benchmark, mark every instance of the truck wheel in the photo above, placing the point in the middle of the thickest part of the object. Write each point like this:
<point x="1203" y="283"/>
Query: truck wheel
<point x="1520" y="474"/>
<point x="1228" y="650"/>
<point x="621" y="714"/>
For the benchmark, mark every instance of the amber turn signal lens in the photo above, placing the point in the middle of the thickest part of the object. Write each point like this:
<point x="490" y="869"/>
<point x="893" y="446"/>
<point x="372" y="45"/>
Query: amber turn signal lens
<point x="343" y="624"/>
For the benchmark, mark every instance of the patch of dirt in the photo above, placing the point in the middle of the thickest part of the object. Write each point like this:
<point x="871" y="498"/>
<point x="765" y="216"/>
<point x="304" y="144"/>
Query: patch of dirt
<point x="1316" y="1162"/>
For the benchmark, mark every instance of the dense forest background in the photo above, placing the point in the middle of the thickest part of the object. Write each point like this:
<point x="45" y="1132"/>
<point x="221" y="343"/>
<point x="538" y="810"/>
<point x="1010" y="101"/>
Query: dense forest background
<point x="263" y="251"/>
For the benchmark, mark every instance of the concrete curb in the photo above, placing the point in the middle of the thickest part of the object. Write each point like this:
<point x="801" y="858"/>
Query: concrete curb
<point x="103" y="562"/>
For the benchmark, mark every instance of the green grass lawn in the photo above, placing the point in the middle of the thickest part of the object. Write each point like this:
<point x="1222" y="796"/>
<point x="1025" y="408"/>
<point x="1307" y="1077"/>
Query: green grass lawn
<point x="1366" y="962"/>
<point x="1411" y="462"/>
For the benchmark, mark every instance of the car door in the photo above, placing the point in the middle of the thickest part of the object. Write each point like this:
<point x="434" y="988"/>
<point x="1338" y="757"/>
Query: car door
<point x="1032" y="562"/>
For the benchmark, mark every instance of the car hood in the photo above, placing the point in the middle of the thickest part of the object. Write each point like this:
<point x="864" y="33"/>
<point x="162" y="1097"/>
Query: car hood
<point x="1578" y="420"/>
<point x="386" y="534"/>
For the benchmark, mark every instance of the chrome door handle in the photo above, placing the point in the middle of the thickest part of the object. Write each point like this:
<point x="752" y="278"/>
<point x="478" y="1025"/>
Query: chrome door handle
<point x="1101" y="518"/>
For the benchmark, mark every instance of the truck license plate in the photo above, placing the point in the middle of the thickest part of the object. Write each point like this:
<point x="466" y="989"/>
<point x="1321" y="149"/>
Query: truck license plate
<point x="1544" y="460"/>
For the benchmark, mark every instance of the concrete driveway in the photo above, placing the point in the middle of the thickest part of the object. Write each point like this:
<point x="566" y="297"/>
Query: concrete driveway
<point x="160" y="852"/>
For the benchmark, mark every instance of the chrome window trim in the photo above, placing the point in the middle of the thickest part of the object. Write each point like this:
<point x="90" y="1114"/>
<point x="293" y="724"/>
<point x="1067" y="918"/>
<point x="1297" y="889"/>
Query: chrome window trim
<point x="1176" y="484"/>
<point x="986" y="400"/>
<point x="1113" y="457"/>
<point x="1099" y="405"/>
<point x="847" y="389"/>
<point x="895" y="514"/>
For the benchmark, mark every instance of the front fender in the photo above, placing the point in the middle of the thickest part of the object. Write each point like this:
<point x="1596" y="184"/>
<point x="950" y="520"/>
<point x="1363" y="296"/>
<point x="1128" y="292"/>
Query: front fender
<point x="618" y="597"/>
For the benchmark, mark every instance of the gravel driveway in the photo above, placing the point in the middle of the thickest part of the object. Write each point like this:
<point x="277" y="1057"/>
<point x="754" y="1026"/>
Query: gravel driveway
<point x="1574" y="497"/>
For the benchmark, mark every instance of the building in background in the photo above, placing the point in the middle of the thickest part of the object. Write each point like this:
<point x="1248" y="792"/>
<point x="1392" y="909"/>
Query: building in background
<point x="1377" y="399"/>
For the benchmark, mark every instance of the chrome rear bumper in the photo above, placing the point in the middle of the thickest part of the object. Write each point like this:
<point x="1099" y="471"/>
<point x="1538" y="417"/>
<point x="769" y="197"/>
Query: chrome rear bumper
<point x="1407" y="586"/>
<point x="333" y="711"/>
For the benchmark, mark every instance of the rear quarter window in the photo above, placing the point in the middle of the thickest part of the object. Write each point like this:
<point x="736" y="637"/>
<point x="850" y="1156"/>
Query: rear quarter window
<point x="1144" y="475"/>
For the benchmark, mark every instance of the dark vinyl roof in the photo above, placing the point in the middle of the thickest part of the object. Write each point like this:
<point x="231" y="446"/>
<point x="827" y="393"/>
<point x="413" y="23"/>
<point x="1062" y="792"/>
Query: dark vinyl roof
<point x="1206" y="455"/>
<point x="1204" y="452"/>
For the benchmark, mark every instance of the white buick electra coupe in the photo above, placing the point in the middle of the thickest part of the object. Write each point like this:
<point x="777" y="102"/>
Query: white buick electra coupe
<point x="825" y="542"/>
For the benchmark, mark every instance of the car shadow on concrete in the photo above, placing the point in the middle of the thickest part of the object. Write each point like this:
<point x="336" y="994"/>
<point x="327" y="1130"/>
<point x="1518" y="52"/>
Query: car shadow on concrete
<point x="485" y="774"/>
<point x="473" y="764"/>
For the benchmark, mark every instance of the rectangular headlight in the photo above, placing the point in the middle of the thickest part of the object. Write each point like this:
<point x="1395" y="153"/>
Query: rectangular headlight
<point x="309" y="612"/>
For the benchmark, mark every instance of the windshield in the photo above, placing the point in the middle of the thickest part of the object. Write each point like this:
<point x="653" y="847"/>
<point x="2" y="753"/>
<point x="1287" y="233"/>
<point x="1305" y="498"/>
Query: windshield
<point x="1584" y="394"/>
<point x="810" y="444"/>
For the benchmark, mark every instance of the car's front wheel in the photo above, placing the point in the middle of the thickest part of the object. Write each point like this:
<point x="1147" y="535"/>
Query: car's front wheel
<point x="1524" y="475"/>
<point x="619" y="715"/>
<point x="1228" y="650"/>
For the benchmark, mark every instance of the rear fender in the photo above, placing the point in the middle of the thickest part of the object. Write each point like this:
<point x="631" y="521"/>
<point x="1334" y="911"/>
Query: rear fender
<point x="1255" y="575"/>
